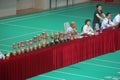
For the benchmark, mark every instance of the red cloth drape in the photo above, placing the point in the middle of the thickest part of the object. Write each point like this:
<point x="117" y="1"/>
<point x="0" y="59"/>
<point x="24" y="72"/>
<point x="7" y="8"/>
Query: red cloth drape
<point x="60" y="55"/>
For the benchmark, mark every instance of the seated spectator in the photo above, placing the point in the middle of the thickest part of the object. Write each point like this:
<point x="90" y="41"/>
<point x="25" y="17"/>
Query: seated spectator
<point x="72" y="27"/>
<point x="87" y="28"/>
<point x="107" y="22"/>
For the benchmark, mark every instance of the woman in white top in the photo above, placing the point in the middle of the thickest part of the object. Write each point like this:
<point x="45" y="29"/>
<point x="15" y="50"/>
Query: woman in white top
<point x="87" y="29"/>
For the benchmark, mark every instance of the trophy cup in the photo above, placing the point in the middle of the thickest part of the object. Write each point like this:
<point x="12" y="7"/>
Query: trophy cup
<point x="19" y="48"/>
<point x="22" y="47"/>
<point x="8" y="55"/>
<point x="14" y="46"/>
<point x="39" y="38"/>
<point x="43" y="39"/>
<point x="35" y="47"/>
<point x="39" y="46"/>
<point x="47" y="40"/>
<point x="68" y="36"/>
<point x="61" y="37"/>
<point x="31" y="43"/>
<point x="35" y="39"/>
<point x="65" y="37"/>
<point x="52" y="38"/>
<point x="27" y="45"/>
<point x="56" y="38"/>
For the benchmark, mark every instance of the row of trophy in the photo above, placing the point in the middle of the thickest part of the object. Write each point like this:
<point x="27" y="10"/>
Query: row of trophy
<point x="41" y="41"/>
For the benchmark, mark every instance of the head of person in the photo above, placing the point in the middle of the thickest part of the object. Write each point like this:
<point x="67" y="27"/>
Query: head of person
<point x="87" y="22"/>
<point x="99" y="7"/>
<point x="73" y="24"/>
<point x="108" y="15"/>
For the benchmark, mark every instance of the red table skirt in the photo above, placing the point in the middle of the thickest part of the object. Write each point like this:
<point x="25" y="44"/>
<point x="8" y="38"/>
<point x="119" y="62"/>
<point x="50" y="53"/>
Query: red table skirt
<point x="60" y="55"/>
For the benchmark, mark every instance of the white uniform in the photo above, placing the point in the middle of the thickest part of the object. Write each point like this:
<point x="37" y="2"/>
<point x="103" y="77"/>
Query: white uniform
<point x="1" y="55"/>
<point x="69" y="29"/>
<point x="87" y="30"/>
<point x="106" y="23"/>
<point x="116" y="19"/>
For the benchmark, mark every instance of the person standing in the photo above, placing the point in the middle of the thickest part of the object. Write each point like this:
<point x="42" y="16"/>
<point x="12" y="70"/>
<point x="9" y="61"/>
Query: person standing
<point x="98" y="15"/>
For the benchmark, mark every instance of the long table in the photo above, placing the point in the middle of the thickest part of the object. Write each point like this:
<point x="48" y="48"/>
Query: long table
<point x="40" y="61"/>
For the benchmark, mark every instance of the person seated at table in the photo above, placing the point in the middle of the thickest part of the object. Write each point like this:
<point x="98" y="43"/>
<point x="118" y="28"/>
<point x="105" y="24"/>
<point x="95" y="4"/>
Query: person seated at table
<point x="2" y="56"/>
<point x="72" y="27"/>
<point x="116" y="20"/>
<point x="87" y="28"/>
<point x="107" y="22"/>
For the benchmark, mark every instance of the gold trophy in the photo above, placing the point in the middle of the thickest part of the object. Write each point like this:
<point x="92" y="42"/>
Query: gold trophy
<point x="61" y="37"/>
<point x="47" y="40"/>
<point x="39" y="38"/>
<point x="22" y="47"/>
<point x="31" y="43"/>
<point x="39" y="46"/>
<point x="19" y="48"/>
<point x="52" y="38"/>
<point x="14" y="46"/>
<point x="56" y="38"/>
<point x="8" y="55"/>
<point x="65" y="37"/>
<point x="43" y="39"/>
<point x="35" y="47"/>
<point x="27" y="45"/>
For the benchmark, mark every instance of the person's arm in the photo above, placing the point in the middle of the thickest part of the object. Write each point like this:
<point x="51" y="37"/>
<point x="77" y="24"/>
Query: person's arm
<point x="99" y="16"/>
<point x="103" y="14"/>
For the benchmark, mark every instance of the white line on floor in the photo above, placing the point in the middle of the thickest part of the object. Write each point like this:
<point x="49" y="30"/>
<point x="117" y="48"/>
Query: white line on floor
<point x="90" y="77"/>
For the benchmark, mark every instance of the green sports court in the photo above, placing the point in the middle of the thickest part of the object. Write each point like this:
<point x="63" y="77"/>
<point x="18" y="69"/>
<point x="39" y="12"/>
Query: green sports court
<point x="23" y="27"/>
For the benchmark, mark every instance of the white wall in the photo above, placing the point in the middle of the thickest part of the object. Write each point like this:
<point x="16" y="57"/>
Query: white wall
<point x="42" y="4"/>
<point x="79" y="1"/>
<point x="7" y="7"/>
<point x="24" y="4"/>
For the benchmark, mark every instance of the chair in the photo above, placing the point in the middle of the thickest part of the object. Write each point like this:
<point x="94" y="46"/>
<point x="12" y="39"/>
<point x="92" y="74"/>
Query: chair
<point x="66" y="25"/>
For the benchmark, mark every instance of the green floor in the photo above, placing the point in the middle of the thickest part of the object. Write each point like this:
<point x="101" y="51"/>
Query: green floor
<point x="21" y="28"/>
<point x="105" y="67"/>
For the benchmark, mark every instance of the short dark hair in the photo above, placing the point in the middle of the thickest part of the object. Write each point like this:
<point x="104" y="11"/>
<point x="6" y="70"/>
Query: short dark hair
<point x="87" y="21"/>
<point x="98" y="5"/>
<point x="107" y="14"/>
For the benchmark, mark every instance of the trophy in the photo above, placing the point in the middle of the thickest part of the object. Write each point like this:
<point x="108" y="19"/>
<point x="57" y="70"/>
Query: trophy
<point x="47" y="40"/>
<point x="51" y="38"/>
<point x="43" y="39"/>
<point x="31" y="43"/>
<point x="39" y="46"/>
<point x="56" y="38"/>
<point x="35" y="47"/>
<point x="35" y="39"/>
<point x="39" y="38"/>
<point x="61" y="37"/>
<point x="65" y="37"/>
<point x="8" y="55"/>
<point x="19" y="48"/>
<point x="68" y="36"/>
<point x="27" y="45"/>
<point x="19" y="51"/>
<point x="14" y="46"/>
<point x="22" y="45"/>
